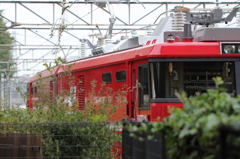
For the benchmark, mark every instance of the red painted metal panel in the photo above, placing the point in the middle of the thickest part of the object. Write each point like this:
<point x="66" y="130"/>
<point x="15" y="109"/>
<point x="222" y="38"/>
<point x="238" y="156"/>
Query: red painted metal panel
<point x="111" y="59"/>
<point x="160" y="110"/>
<point x="186" y="49"/>
<point x="44" y="74"/>
<point x="91" y="75"/>
<point x="81" y="92"/>
<point x="189" y="49"/>
<point x="136" y="99"/>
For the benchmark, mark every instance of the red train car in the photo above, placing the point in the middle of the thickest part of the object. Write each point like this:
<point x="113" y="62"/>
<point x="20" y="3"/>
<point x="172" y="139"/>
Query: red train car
<point x="184" y="60"/>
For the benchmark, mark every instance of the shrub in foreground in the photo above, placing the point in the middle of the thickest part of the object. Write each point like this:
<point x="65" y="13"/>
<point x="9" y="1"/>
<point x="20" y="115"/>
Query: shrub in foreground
<point x="192" y="132"/>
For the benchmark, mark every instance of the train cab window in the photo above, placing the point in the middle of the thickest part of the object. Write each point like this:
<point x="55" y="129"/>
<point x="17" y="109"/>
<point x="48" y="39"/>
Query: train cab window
<point x="121" y="76"/>
<point x="107" y="77"/>
<point x="143" y="86"/>
<point x="192" y="77"/>
<point x="34" y="90"/>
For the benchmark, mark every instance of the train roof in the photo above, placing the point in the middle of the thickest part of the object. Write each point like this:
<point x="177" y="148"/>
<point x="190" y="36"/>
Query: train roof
<point x="110" y="58"/>
<point x="158" y="50"/>
<point x="44" y="74"/>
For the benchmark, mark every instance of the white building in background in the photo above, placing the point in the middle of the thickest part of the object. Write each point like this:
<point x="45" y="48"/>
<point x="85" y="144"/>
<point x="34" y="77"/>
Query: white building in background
<point x="10" y="96"/>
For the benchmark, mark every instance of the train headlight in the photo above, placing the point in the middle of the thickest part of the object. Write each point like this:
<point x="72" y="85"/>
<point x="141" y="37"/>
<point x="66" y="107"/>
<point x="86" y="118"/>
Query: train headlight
<point x="229" y="49"/>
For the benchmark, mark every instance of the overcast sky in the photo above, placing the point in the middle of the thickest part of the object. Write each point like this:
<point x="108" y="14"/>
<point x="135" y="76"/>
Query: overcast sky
<point x="24" y="16"/>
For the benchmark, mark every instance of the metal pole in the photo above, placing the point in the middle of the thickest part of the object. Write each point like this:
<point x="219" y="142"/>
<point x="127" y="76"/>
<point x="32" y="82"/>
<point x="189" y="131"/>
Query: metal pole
<point x="27" y="64"/>
<point x="15" y="13"/>
<point x="9" y="95"/>
<point x="147" y="14"/>
<point x="166" y="10"/>
<point x="4" y="91"/>
<point x="25" y="36"/>
<point x="92" y="37"/>
<point x="53" y="13"/>
<point x="34" y="13"/>
<point x="91" y="14"/>
<point x="129" y="13"/>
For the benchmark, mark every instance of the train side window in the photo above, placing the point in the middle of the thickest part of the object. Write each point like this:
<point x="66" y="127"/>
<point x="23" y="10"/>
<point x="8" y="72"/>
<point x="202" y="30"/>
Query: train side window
<point x="107" y="77"/>
<point x="121" y="76"/>
<point x="143" y="86"/>
<point x="34" y="90"/>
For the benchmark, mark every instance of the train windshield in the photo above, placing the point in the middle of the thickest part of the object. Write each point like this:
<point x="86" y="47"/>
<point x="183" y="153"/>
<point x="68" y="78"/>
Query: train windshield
<point x="192" y="77"/>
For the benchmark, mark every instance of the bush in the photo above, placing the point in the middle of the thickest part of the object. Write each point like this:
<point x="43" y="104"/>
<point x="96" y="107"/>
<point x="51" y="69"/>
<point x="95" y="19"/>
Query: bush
<point x="97" y="111"/>
<point x="192" y="132"/>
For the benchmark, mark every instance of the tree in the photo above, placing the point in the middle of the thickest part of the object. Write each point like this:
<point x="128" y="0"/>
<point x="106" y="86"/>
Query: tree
<point x="5" y="51"/>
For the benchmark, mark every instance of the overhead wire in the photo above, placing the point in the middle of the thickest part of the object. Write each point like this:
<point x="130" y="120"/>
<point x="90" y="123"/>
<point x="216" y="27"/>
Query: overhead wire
<point x="61" y="30"/>
<point x="86" y="15"/>
<point x="17" y="64"/>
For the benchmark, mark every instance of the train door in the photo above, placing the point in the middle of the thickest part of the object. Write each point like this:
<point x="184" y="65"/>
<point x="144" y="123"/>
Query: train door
<point x="132" y="89"/>
<point x="141" y="93"/>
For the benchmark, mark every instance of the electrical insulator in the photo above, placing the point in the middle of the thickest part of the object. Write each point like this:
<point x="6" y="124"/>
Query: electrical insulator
<point x="83" y="49"/>
<point x="108" y="41"/>
<point x="178" y="20"/>
<point x="101" y="41"/>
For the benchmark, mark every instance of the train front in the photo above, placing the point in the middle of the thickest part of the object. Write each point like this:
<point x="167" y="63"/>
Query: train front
<point x="188" y="61"/>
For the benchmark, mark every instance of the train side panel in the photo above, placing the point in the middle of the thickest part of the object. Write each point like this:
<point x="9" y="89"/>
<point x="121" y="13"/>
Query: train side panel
<point x="42" y="90"/>
<point x="114" y="76"/>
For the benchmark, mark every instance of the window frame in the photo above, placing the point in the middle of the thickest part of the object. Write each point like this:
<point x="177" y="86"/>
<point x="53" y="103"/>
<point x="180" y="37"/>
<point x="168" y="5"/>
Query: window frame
<point x="124" y="78"/>
<point x="106" y="82"/>
<point x="141" y="105"/>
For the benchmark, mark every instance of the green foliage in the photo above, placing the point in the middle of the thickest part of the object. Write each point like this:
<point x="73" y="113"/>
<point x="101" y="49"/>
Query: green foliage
<point x="104" y="102"/>
<point x="83" y="139"/>
<point x="192" y="132"/>
<point x="64" y="108"/>
<point x="5" y="51"/>
<point x="95" y="138"/>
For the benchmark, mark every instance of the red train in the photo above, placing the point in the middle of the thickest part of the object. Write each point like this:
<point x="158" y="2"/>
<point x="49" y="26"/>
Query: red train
<point x="185" y="60"/>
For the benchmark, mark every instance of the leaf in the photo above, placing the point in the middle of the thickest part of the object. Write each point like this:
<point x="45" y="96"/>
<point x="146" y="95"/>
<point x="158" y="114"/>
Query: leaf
<point x="184" y="132"/>
<point x="193" y="131"/>
<point x="193" y="155"/>
<point x="209" y="157"/>
<point x="211" y="123"/>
